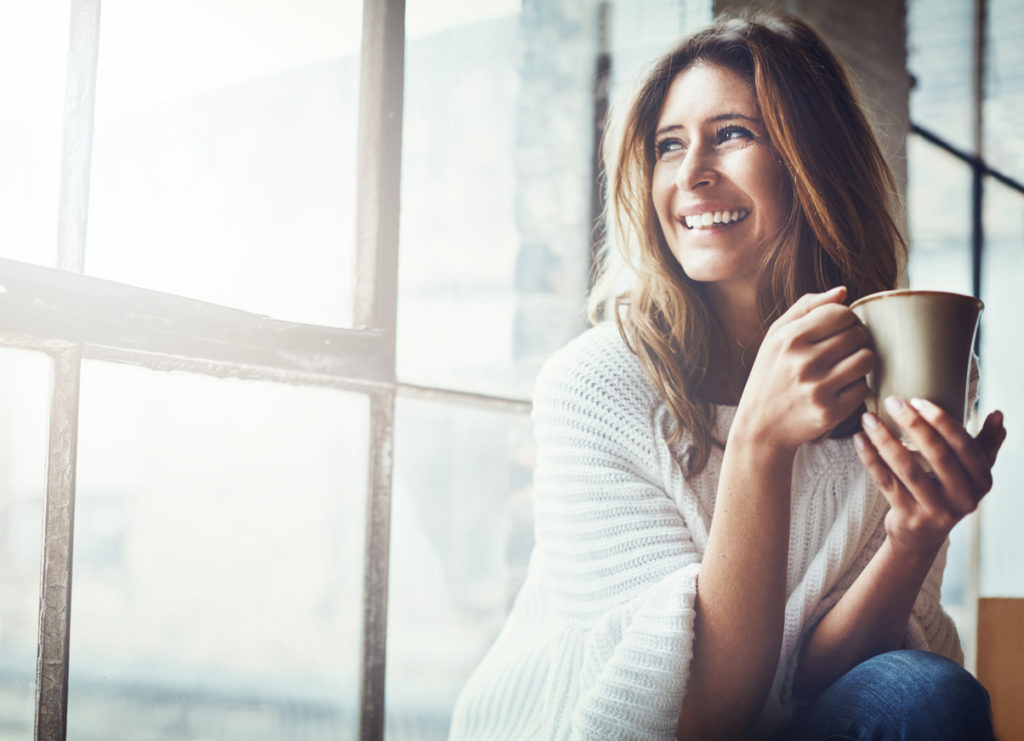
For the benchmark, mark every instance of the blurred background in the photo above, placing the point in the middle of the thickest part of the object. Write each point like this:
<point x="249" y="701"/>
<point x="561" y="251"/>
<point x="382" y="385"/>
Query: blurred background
<point x="221" y="534"/>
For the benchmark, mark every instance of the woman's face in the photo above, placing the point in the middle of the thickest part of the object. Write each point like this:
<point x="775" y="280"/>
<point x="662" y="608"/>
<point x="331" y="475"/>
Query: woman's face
<point x="718" y="189"/>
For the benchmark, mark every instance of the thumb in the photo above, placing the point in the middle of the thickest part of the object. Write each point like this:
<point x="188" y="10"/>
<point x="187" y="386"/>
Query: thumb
<point x="992" y="435"/>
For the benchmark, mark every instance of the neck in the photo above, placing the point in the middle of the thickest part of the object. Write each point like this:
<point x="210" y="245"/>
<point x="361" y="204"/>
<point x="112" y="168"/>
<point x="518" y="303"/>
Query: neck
<point x="734" y="351"/>
<point x="737" y="311"/>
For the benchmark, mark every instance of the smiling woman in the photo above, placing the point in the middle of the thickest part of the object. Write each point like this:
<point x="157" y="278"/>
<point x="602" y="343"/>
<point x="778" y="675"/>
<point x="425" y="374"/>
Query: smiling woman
<point x="714" y="545"/>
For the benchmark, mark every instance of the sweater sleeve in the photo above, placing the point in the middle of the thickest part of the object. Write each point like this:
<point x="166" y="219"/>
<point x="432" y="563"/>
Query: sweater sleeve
<point x="620" y="564"/>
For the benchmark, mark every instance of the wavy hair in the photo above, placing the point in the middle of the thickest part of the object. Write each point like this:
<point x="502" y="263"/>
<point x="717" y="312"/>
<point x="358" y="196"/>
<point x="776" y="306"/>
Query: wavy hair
<point x="842" y="227"/>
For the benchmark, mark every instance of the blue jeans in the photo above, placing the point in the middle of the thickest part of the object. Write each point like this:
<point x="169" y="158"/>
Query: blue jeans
<point x="901" y="695"/>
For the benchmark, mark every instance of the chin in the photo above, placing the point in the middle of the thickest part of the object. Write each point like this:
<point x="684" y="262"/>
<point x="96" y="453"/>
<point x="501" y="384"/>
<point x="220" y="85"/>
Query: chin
<point x="709" y="274"/>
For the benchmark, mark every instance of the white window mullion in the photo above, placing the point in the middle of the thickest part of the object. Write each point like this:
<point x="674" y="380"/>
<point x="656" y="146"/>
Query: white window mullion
<point x="79" y="114"/>
<point x="378" y="167"/>
<point x="42" y="308"/>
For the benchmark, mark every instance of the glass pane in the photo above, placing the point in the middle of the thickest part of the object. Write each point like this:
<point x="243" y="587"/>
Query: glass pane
<point x="33" y="64"/>
<point x="1004" y="87"/>
<point x="497" y="177"/>
<point x="218" y="559"/>
<point x="1002" y="511"/>
<point x="224" y="155"/>
<point x="939" y="43"/>
<point x="461" y="536"/>
<point x="24" y="425"/>
<point x="939" y="212"/>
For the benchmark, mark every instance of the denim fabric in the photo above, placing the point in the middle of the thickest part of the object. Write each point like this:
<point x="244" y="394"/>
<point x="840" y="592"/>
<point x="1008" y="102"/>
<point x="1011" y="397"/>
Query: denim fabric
<point x="898" y="696"/>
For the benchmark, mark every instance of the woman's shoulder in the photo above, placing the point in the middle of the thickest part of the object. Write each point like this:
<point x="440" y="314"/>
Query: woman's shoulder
<point x="595" y="368"/>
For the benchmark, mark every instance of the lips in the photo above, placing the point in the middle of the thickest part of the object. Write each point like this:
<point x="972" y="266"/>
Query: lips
<point x="711" y="219"/>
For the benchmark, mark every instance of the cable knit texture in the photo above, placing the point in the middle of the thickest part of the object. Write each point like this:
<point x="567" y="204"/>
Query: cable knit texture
<point x="599" y="640"/>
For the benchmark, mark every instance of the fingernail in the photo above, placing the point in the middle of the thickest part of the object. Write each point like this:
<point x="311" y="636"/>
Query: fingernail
<point x="859" y="442"/>
<point x="920" y="405"/>
<point x="869" y="421"/>
<point x="895" y="404"/>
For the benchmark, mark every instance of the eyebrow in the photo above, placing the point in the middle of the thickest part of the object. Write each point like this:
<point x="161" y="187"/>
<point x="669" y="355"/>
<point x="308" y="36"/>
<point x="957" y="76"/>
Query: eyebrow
<point x="713" y="119"/>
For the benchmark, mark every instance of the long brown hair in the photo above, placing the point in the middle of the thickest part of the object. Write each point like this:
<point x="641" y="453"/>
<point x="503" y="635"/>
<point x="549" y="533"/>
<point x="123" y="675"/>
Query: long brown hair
<point x="841" y="229"/>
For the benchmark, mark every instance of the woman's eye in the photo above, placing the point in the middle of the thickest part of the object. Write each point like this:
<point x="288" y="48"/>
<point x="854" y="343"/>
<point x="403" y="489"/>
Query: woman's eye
<point x="733" y="133"/>
<point x="665" y="146"/>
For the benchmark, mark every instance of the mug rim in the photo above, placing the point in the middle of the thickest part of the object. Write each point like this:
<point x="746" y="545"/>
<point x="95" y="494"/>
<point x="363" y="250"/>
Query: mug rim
<point x="896" y="292"/>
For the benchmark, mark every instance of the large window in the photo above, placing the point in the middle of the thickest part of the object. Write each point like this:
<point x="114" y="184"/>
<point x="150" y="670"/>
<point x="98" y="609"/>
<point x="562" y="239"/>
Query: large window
<point x="966" y="205"/>
<point x="276" y="278"/>
<point x="275" y="281"/>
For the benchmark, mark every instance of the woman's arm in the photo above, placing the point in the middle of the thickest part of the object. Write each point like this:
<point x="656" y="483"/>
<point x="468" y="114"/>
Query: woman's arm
<point x="871" y="617"/>
<point x="740" y="593"/>
<point x="807" y="377"/>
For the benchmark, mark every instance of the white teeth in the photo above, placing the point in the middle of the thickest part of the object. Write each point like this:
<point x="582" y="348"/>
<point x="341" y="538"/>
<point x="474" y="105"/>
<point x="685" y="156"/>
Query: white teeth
<point x="709" y="218"/>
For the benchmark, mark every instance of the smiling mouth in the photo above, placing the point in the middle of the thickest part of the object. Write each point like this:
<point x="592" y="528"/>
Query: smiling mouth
<point x="711" y="219"/>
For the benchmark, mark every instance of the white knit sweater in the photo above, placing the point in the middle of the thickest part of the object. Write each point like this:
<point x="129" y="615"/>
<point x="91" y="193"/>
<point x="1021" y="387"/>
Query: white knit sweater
<point x="599" y="641"/>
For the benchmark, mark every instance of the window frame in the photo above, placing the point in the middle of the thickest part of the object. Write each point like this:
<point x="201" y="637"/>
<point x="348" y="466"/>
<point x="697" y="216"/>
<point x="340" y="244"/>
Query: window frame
<point x="71" y="317"/>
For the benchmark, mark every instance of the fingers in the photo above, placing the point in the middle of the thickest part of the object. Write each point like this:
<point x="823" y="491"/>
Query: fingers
<point x="954" y="458"/>
<point x="828" y="324"/>
<point x="841" y="361"/>
<point x="847" y="336"/>
<point x="851" y="396"/>
<point x="815" y="317"/>
<point x="811" y="301"/>
<point x="891" y="488"/>
<point x="829" y="350"/>
<point x="992" y="436"/>
<point x="921" y="515"/>
<point x="975" y="459"/>
<point x="917" y="481"/>
<point x="851" y="368"/>
<point x="960" y="466"/>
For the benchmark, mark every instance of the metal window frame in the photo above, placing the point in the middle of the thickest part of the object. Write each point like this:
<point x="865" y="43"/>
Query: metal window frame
<point x="73" y="317"/>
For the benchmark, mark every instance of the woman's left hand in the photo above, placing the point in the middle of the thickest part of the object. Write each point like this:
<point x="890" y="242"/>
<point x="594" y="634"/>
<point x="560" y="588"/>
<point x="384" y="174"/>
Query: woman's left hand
<point x="926" y="505"/>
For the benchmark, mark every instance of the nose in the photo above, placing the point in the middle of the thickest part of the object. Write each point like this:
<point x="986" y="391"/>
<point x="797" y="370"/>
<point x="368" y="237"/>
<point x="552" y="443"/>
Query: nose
<point x="696" y="170"/>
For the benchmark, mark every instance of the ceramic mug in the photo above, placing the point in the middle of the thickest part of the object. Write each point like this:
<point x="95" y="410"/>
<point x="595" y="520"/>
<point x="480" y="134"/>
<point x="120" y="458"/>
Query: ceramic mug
<point x="923" y="343"/>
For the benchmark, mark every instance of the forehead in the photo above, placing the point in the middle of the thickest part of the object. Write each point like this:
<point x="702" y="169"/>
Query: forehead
<point x="703" y="91"/>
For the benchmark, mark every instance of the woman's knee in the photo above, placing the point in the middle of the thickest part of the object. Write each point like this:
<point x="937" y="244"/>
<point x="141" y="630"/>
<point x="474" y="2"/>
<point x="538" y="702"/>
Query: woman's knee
<point x="900" y="695"/>
<point x="923" y="674"/>
<point x="933" y="695"/>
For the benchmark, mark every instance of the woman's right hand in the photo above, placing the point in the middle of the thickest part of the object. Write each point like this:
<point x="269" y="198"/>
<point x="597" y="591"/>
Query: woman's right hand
<point x="809" y="374"/>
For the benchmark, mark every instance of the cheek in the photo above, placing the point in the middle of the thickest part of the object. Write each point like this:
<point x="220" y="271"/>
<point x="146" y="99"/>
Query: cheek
<point x="775" y="193"/>
<point x="661" y="195"/>
<point x="783" y="201"/>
